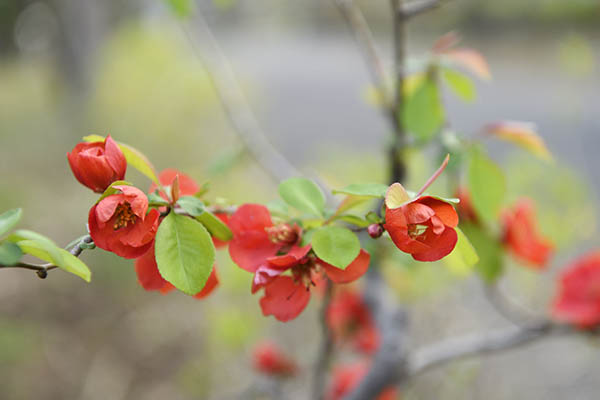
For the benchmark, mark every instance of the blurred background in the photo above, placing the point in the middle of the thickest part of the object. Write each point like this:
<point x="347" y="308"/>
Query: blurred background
<point x="69" y="68"/>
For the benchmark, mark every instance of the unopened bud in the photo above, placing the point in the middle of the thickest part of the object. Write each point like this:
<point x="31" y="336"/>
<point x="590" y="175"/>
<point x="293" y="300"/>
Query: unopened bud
<point x="375" y="230"/>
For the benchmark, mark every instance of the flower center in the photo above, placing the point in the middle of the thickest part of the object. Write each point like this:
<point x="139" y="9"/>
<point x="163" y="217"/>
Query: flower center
<point x="416" y="230"/>
<point x="282" y="233"/>
<point x="123" y="215"/>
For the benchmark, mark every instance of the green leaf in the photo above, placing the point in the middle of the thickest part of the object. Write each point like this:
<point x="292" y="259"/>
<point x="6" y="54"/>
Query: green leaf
<point x="185" y="253"/>
<point x="9" y="219"/>
<point x="48" y="251"/>
<point x="156" y="200"/>
<point x="181" y="8"/>
<point x="303" y="194"/>
<point x="491" y="264"/>
<point x="364" y="189"/>
<point x="486" y="185"/>
<point x="215" y="226"/>
<point x="354" y="220"/>
<point x="10" y="253"/>
<point x="110" y="190"/>
<point x="464" y="257"/>
<point x="133" y="156"/>
<point x="336" y="246"/>
<point x="423" y="113"/>
<point x="192" y="205"/>
<point x="278" y="207"/>
<point x="460" y="84"/>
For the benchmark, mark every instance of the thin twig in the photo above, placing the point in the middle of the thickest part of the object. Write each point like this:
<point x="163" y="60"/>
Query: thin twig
<point x="507" y="308"/>
<point x="42" y="269"/>
<point x="325" y="348"/>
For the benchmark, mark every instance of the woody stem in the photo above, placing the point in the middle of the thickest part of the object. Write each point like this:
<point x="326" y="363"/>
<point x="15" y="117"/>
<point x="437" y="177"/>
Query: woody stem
<point x="326" y="347"/>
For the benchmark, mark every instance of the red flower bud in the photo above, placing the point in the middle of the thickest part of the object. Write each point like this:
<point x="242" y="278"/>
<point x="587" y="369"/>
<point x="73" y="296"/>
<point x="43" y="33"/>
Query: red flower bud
<point x="375" y="230"/>
<point x="270" y="360"/>
<point x="119" y="223"/>
<point x="97" y="165"/>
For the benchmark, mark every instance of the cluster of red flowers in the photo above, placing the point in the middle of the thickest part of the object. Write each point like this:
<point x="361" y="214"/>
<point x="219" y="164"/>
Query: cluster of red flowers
<point x="270" y="250"/>
<point x="121" y="222"/>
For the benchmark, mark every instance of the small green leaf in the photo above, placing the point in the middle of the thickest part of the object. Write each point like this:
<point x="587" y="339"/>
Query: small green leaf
<point x="303" y="194"/>
<point x="364" y="189"/>
<point x="354" y="220"/>
<point x="464" y="257"/>
<point x="373" y="218"/>
<point x="9" y="219"/>
<point x="181" y="8"/>
<point x="185" y="253"/>
<point x="336" y="246"/>
<point x="156" y="200"/>
<point x="49" y="246"/>
<point x="112" y="190"/>
<point x="192" y="205"/>
<point x="48" y="251"/>
<point x="423" y="113"/>
<point x="460" y="84"/>
<point x="215" y="226"/>
<point x="486" y="185"/>
<point x="491" y="265"/>
<point x="10" y="253"/>
<point x="278" y="207"/>
<point x="133" y="157"/>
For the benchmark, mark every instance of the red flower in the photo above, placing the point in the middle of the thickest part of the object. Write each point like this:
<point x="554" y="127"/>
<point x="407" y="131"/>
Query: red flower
<point x="119" y="223"/>
<point x="150" y="278"/>
<point x="578" y="299"/>
<point x="347" y="377"/>
<point x="97" y="165"/>
<point x="285" y="296"/>
<point x="255" y="238"/>
<point x="522" y="237"/>
<point x="349" y="319"/>
<point x="423" y="227"/>
<point x="270" y="360"/>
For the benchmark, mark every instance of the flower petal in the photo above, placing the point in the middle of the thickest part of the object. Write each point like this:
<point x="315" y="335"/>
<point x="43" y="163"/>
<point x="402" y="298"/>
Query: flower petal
<point x="355" y="270"/>
<point x="440" y="248"/>
<point x="147" y="272"/>
<point x="211" y="284"/>
<point x="284" y="299"/>
<point x="443" y="210"/>
<point x="249" y="217"/>
<point x="250" y="249"/>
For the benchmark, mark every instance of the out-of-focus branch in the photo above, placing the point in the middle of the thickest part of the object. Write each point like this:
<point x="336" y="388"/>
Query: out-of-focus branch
<point x="234" y="103"/>
<point x="480" y="344"/>
<point x="507" y="308"/>
<point x="42" y="270"/>
<point x="364" y="38"/>
<point x="419" y="7"/>
<point x="325" y="349"/>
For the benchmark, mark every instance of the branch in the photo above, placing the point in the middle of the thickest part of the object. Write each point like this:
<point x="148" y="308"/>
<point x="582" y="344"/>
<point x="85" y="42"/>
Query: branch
<point x="42" y="270"/>
<point x="416" y="8"/>
<point x="507" y="308"/>
<point x="480" y="344"/>
<point x="235" y="105"/>
<point x="326" y="348"/>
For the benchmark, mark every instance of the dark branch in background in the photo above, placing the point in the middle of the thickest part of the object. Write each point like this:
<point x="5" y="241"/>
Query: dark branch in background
<point x="325" y="348"/>
<point x="42" y="270"/>
<point x="480" y="344"/>
<point x="235" y="105"/>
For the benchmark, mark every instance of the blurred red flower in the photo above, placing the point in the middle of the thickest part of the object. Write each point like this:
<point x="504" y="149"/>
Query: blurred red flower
<point x="423" y="227"/>
<point x="187" y="186"/>
<point x="522" y="237"/>
<point x="350" y="320"/>
<point x="578" y="298"/>
<point x="97" y="165"/>
<point x="119" y="223"/>
<point x="465" y="209"/>
<point x="347" y="377"/>
<point x="270" y="360"/>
